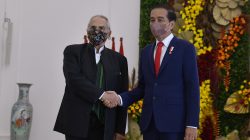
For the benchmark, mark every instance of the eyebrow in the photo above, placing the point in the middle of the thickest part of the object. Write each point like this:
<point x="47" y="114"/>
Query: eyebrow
<point x="158" y="17"/>
<point x="97" y="26"/>
<point x="161" y="17"/>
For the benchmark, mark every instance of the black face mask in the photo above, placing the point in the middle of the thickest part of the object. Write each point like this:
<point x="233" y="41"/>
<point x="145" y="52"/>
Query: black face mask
<point x="96" y="36"/>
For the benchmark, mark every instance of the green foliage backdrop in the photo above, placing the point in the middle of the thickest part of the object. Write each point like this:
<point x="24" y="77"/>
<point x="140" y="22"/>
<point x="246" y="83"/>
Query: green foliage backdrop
<point x="145" y="33"/>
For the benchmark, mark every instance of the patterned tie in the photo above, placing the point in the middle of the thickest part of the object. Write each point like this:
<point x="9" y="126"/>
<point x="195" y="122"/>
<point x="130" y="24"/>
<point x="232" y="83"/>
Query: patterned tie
<point x="158" y="58"/>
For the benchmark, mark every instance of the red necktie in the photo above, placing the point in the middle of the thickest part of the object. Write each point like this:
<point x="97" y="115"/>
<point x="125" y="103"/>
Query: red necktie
<point x="158" y="57"/>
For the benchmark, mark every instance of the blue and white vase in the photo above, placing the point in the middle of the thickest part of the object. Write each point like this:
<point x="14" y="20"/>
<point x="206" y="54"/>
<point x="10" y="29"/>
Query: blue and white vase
<point x="21" y="115"/>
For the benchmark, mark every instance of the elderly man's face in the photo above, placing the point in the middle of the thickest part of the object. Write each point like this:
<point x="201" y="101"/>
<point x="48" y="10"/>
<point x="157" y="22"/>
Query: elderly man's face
<point x="98" y="31"/>
<point x="98" y="23"/>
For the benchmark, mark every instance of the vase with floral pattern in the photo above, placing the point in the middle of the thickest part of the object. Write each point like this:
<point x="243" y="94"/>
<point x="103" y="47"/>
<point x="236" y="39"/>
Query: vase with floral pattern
<point x="21" y="115"/>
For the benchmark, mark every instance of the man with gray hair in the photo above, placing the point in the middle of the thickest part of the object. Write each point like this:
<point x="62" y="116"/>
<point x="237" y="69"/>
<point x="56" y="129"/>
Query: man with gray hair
<point x="91" y="70"/>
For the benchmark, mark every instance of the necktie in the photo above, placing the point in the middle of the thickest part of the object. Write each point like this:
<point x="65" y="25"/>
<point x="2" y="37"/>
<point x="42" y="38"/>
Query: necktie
<point x="98" y="107"/>
<point x="158" y="57"/>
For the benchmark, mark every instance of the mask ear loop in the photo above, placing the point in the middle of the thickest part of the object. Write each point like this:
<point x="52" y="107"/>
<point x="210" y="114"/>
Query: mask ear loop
<point x="171" y="23"/>
<point x="109" y="35"/>
<point x="168" y="30"/>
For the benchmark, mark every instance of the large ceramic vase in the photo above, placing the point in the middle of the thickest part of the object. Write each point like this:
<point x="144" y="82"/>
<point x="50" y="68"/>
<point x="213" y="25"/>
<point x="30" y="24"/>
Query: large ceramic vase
<point x="134" y="132"/>
<point x="21" y="115"/>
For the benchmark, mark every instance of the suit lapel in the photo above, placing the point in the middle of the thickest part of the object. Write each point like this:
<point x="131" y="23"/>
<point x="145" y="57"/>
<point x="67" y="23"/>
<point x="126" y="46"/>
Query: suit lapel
<point x="167" y="55"/>
<point x="107" y="62"/>
<point x="151" y="58"/>
<point x="91" y="58"/>
<point x="88" y="60"/>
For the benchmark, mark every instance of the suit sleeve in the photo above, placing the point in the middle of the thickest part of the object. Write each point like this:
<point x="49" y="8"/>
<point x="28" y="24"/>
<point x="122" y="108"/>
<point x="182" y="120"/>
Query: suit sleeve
<point x="121" y="113"/>
<point x="191" y="86"/>
<point x="137" y="93"/>
<point x="80" y="85"/>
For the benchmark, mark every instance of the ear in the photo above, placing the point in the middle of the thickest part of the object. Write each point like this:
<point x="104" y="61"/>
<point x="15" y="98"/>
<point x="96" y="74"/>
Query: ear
<point x="172" y="24"/>
<point x="109" y="35"/>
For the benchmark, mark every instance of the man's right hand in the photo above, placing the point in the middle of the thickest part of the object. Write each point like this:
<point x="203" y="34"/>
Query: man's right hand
<point x="110" y="99"/>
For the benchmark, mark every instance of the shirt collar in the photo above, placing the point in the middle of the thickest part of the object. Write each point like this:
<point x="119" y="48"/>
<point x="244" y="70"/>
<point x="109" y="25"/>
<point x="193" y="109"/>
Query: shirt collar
<point x="100" y="50"/>
<point x="166" y="41"/>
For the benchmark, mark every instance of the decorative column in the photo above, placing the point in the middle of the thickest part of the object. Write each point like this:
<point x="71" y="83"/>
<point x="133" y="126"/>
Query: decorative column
<point x="113" y="43"/>
<point x="121" y="46"/>
<point x="85" y="39"/>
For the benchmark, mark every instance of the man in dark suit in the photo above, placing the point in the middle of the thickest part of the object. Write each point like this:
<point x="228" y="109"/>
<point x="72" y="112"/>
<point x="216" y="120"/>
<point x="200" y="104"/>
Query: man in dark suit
<point x="168" y="83"/>
<point x="90" y="71"/>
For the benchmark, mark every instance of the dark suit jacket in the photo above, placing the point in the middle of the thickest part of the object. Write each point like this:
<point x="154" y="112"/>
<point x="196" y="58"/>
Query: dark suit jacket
<point x="81" y="93"/>
<point x="173" y="97"/>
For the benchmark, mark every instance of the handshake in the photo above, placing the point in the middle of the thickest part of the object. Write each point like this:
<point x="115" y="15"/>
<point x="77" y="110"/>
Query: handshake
<point x="110" y="99"/>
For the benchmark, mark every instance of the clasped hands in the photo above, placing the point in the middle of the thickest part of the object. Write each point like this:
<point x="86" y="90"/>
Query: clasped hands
<point x="110" y="99"/>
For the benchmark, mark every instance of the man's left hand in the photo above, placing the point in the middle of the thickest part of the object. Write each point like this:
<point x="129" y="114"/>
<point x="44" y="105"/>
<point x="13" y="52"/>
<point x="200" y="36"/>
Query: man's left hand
<point x="190" y="133"/>
<point x="119" y="137"/>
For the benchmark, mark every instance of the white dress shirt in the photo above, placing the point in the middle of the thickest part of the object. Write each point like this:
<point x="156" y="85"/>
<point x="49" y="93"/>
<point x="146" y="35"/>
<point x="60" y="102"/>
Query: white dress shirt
<point x="166" y="43"/>
<point x="98" y="54"/>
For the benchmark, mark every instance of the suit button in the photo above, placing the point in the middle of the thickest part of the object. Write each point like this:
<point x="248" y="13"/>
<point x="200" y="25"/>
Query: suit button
<point x="156" y="84"/>
<point x="154" y="98"/>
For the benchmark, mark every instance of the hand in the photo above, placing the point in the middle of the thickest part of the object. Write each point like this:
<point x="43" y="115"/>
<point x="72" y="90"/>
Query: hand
<point x="110" y="99"/>
<point x="190" y="133"/>
<point x="119" y="137"/>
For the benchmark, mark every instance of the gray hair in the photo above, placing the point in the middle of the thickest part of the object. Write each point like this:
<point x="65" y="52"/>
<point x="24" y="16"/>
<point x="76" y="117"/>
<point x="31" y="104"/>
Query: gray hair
<point x="100" y="16"/>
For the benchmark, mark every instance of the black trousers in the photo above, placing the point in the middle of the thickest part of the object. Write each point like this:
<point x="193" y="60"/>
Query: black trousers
<point x="96" y="130"/>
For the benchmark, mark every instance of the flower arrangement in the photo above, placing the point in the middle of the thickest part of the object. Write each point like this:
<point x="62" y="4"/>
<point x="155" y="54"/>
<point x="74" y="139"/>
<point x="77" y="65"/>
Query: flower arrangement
<point x="234" y="135"/>
<point x="206" y="109"/>
<point x="229" y="41"/>
<point x="189" y="14"/>
<point x="135" y="110"/>
<point x="207" y="69"/>
<point x="239" y="101"/>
